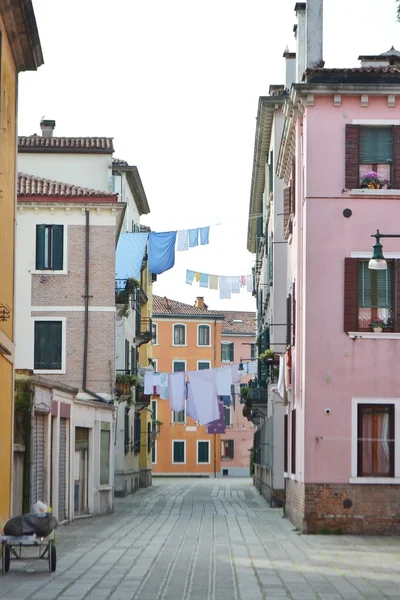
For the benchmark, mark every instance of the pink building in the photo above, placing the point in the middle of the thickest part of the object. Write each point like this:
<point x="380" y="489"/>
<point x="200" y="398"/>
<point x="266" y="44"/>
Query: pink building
<point x="341" y="429"/>
<point x="238" y="342"/>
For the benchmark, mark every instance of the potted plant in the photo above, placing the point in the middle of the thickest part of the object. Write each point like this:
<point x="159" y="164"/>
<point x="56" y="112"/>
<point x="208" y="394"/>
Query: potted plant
<point x="373" y="181"/>
<point x="244" y="392"/>
<point x="378" y="325"/>
<point x="124" y="382"/>
<point x="269" y="356"/>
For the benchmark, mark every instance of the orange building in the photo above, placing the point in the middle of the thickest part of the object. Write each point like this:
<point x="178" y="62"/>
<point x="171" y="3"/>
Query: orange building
<point x="188" y="338"/>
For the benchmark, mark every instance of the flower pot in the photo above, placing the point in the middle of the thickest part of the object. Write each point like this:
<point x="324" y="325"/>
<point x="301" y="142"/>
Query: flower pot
<point x="377" y="329"/>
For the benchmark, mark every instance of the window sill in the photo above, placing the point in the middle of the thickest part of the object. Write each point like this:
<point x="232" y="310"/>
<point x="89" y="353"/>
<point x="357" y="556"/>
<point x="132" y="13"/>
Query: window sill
<point x="49" y="371"/>
<point x="375" y="480"/>
<point x="368" y="192"/>
<point x="203" y="345"/>
<point x="105" y="487"/>
<point x="50" y="272"/>
<point x="179" y="345"/>
<point x="370" y="335"/>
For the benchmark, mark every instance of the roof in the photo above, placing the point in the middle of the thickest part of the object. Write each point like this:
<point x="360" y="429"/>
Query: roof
<point x="164" y="307"/>
<point x="33" y="187"/>
<point x="392" y="53"/>
<point x="378" y="75"/>
<point x="239" y="323"/>
<point x="134" y="182"/>
<point x="22" y="33"/>
<point x="38" y="143"/>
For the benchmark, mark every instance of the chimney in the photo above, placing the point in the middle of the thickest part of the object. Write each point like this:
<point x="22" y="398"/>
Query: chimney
<point x="314" y="33"/>
<point x="166" y="303"/>
<point x="300" y="35"/>
<point x="47" y="127"/>
<point x="200" y="303"/>
<point x="290" y="68"/>
<point x="276" y="90"/>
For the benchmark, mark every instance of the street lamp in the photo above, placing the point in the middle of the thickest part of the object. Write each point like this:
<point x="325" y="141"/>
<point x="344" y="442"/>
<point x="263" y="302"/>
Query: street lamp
<point x="378" y="262"/>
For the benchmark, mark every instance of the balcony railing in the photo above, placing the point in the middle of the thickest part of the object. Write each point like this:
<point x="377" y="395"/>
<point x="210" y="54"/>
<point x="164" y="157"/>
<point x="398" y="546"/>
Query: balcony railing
<point x="140" y="397"/>
<point x="144" y="331"/>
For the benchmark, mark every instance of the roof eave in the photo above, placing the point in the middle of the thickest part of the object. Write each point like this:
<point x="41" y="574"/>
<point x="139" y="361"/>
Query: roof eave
<point x="22" y="33"/>
<point x="50" y="149"/>
<point x="185" y="316"/>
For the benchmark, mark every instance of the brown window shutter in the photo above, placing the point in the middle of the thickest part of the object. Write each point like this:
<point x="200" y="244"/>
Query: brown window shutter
<point x="397" y="295"/>
<point x="286" y="210"/>
<point x="352" y="153"/>
<point x="350" y="294"/>
<point x="396" y="157"/>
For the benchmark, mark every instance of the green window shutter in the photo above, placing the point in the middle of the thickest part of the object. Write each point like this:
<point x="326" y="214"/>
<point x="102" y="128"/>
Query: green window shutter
<point x="58" y="247"/>
<point x="227" y="416"/>
<point x="40" y="246"/>
<point x="48" y="345"/>
<point x="105" y="435"/>
<point x="137" y="432"/>
<point x="179" y="366"/>
<point x="376" y="145"/>
<point x="270" y="257"/>
<point x="203" y="454"/>
<point x="375" y="287"/>
<point x="231" y="446"/>
<point x="179" y="452"/>
<point x="154" y="409"/>
<point x="231" y="352"/>
<point x="203" y="365"/>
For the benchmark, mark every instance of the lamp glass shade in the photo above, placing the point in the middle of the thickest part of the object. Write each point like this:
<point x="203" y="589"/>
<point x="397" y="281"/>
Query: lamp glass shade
<point x="241" y="367"/>
<point x="377" y="264"/>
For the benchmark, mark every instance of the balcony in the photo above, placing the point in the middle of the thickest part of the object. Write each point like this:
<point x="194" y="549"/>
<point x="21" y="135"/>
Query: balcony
<point x="141" y="399"/>
<point x="144" y="331"/>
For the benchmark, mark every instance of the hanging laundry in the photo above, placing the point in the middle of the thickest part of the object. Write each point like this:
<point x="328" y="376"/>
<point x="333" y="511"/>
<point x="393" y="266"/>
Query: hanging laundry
<point x="204" y="279"/>
<point x="156" y="379"/>
<point x="225" y="288"/>
<point x="193" y="237"/>
<point x="189" y="277"/>
<point x="148" y="383"/>
<point x="252" y="367"/>
<point x="218" y="426"/>
<point x="190" y="404"/>
<point x="202" y="386"/>
<point x="161" y="251"/>
<point x="235" y="285"/>
<point x="197" y="276"/>
<point x="249" y="283"/>
<point x="129" y="255"/>
<point x="162" y="388"/>
<point x="176" y="391"/>
<point x="226" y="400"/>
<point x="223" y="380"/>
<point x="236" y="374"/>
<point x="183" y="240"/>
<point x="242" y="281"/>
<point x="204" y="235"/>
<point x="213" y="285"/>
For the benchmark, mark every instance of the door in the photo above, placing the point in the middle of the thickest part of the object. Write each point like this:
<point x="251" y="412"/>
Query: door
<point x="39" y="487"/>
<point x="81" y="470"/>
<point x="62" y="476"/>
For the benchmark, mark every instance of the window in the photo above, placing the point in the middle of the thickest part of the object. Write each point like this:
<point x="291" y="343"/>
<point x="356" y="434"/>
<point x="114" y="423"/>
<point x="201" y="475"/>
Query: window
<point x="179" y="335"/>
<point x="227" y="449"/>
<point x="49" y="247"/>
<point x="155" y="334"/>
<point x="126" y="430"/>
<point x="203" y="334"/>
<point x="154" y="453"/>
<point x="372" y="148"/>
<point x="227" y="352"/>
<point x="178" y="365"/>
<point x="48" y="345"/>
<point x="203" y="452"/>
<point x="105" y="436"/>
<point x="136" y="426"/>
<point x="227" y="416"/>
<point x="178" y="452"/>
<point x="294" y="442"/>
<point x="253" y="351"/>
<point x="371" y="295"/>
<point x="179" y="417"/>
<point x="154" y="414"/>
<point x="375" y="440"/>
<point x="203" y="364"/>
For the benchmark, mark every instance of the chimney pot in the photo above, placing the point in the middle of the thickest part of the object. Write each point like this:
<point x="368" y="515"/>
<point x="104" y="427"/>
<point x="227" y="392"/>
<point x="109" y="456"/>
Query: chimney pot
<point x="199" y="303"/>
<point x="47" y="126"/>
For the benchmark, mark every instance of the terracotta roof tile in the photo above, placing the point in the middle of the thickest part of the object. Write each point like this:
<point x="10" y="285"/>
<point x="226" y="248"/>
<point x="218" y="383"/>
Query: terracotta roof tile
<point x="237" y="322"/>
<point x="38" y="143"/>
<point x="165" y="306"/>
<point x="30" y="185"/>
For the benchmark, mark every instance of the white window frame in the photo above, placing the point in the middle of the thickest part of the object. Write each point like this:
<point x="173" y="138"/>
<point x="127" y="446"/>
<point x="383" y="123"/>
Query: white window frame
<point x="173" y="335"/>
<point x="155" y="342"/>
<point x="178" y="360"/>
<point x="63" y="369"/>
<point x="184" y="452"/>
<point x="197" y="452"/>
<point x="154" y="462"/>
<point x="225" y="344"/>
<point x="198" y="335"/>
<point x="204" y="361"/>
<point x="51" y="272"/>
<point x="354" y="441"/>
<point x="173" y="422"/>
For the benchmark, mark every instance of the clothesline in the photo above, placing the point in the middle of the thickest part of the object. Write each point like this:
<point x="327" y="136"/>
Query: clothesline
<point x="227" y="285"/>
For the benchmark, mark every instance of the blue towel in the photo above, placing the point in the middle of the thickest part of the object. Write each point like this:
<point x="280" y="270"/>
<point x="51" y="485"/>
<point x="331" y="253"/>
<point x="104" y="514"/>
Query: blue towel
<point x="193" y="237"/>
<point x="204" y="233"/>
<point x="189" y="277"/>
<point x="129" y="255"/>
<point x="161" y="251"/>
<point x="204" y="279"/>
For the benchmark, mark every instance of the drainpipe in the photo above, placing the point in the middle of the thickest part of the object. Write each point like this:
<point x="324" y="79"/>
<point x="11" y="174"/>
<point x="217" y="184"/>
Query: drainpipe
<point x="86" y="324"/>
<point x="215" y="364"/>
<point x="31" y="449"/>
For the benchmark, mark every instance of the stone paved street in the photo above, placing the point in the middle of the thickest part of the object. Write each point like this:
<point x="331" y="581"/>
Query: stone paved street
<point x="205" y="540"/>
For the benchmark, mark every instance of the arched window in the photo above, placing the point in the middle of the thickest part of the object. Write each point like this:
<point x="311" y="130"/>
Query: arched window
<point x="179" y="335"/>
<point x="203" y="338"/>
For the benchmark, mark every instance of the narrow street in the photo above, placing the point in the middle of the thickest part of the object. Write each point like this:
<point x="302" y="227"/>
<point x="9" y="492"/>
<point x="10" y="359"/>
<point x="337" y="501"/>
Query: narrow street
<point x="205" y="540"/>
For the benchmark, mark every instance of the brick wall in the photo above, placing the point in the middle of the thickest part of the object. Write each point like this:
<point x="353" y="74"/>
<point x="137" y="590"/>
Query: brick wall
<point x="344" y="508"/>
<point x="68" y="290"/>
<point x="262" y="481"/>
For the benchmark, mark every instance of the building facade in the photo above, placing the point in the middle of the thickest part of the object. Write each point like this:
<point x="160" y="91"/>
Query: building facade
<point x="188" y="338"/>
<point x="20" y="50"/>
<point x="65" y="341"/>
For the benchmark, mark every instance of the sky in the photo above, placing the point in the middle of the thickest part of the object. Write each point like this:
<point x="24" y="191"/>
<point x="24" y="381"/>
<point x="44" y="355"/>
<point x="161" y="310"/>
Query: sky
<point x="176" y="84"/>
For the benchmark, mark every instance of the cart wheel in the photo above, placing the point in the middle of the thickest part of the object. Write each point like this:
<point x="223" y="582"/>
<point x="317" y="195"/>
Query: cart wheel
<point x="6" y="557"/>
<point x="53" y="557"/>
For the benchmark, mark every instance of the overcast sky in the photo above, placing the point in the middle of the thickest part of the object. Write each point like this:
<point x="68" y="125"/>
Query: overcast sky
<point x="176" y="84"/>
